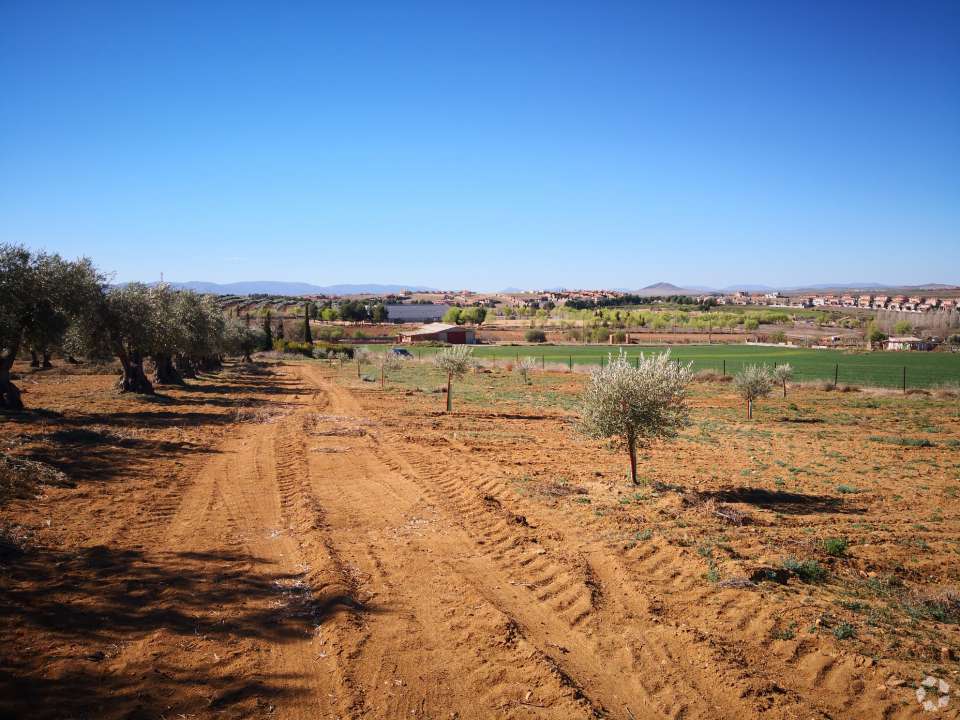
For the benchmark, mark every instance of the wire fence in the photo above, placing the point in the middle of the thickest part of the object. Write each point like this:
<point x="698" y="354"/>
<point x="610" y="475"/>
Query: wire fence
<point x="865" y="373"/>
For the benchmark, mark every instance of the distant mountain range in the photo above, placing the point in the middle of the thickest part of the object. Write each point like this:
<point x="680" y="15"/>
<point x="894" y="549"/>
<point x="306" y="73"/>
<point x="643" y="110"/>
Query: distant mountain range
<point x="664" y="288"/>
<point x="276" y="287"/>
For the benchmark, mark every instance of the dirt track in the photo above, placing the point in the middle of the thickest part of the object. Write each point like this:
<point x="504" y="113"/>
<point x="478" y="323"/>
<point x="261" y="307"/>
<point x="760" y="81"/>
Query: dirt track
<point x="340" y="561"/>
<point x="420" y="594"/>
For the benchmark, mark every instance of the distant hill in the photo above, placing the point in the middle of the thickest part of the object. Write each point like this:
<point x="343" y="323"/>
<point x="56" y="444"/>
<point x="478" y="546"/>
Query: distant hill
<point x="276" y="287"/>
<point x="665" y="288"/>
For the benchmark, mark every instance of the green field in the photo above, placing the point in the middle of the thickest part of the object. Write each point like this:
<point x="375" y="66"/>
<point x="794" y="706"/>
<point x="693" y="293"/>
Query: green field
<point x="884" y="369"/>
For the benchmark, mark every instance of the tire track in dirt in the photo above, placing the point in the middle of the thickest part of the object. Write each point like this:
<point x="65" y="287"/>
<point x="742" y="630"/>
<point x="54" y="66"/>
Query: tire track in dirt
<point x="668" y="582"/>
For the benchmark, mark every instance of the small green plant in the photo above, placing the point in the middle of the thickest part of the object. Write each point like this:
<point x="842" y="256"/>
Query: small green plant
<point x="847" y="489"/>
<point x="787" y="633"/>
<point x="806" y="570"/>
<point x="844" y="631"/>
<point x="644" y="535"/>
<point x="837" y="547"/>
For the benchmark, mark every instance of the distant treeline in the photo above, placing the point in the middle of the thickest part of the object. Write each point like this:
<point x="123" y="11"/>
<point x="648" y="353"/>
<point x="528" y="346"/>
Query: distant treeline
<point x="625" y="300"/>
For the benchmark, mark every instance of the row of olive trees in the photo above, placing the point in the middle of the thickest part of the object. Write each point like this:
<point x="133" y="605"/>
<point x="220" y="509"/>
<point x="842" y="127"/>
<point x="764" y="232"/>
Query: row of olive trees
<point x="48" y="303"/>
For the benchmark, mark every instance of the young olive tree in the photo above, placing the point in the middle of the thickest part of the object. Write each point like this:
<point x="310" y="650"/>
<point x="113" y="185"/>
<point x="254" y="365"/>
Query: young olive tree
<point x="388" y="360"/>
<point x="361" y="355"/>
<point x="782" y="374"/>
<point x="523" y="368"/>
<point x="752" y="382"/>
<point x="636" y="405"/>
<point x="455" y="361"/>
<point x="40" y="295"/>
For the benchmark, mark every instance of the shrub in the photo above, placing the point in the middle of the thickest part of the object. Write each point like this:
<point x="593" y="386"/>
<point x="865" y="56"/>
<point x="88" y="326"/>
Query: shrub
<point x="636" y="405"/>
<point x="806" y="570"/>
<point x="293" y="347"/>
<point x="534" y="335"/>
<point x="837" y="547"/>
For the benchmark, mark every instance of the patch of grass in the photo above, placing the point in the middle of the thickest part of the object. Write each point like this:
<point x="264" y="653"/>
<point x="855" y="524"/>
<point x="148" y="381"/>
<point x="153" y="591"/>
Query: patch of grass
<point x="903" y="441"/>
<point x="847" y="489"/>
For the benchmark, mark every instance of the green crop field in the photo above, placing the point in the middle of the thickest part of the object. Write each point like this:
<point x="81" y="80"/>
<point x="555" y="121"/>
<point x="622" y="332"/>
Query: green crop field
<point x="884" y="369"/>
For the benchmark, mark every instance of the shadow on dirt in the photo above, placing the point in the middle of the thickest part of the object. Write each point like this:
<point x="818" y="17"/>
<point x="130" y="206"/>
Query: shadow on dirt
<point x="787" y="503"/>
<point x="79" y="611"/>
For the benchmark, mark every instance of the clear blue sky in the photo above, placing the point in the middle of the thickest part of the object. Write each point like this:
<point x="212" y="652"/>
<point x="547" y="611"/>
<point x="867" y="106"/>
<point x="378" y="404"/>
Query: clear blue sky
<point x="486" y="144"/>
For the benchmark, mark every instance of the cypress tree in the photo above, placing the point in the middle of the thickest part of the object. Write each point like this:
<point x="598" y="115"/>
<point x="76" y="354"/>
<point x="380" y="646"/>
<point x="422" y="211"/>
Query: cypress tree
<point x="267" y="332"/>
<point x="307" y="336"/>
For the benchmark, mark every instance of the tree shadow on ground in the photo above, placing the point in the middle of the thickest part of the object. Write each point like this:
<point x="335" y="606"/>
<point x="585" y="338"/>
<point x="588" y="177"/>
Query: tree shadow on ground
<point x="84" y="608"/>
<point x="781" y="501"/>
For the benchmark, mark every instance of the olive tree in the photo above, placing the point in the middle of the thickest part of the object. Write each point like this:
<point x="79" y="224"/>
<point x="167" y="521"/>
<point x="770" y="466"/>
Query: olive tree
<point x="204" y="328"/>
<point x="40" y="295"/>
<point x="782" y="374"/>
<point x="241" y="339"/>
<point x="752" y="382"/>
<point x="169" y="336"/>
<point x="387" y="360"/>
<point x="361" y="355"/>
<point x="523" y="368"/>
<point x="455" y="361"/>
<point x="122" y="323"/>
<point x="635" y="405"/>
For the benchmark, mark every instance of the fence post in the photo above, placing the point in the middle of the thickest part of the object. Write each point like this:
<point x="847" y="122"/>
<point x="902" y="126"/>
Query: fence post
<point x="636" y="361"/>
<point x="724" y="368"/>
<point x="836" y="373"/>
<point x="570" y="363"/>
<point x="904" y="378"/>
<point x="601" y="362"/>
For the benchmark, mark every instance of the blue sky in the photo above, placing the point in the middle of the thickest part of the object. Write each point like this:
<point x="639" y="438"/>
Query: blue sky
<point x="486" y="144"/>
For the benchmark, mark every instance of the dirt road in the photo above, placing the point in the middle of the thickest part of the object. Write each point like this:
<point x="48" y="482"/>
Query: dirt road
<point x="322" y="565"/>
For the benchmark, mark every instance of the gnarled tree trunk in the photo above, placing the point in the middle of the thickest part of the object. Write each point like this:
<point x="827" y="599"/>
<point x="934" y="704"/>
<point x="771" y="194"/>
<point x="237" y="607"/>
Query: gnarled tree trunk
<point x="34" y="359"/>
<point x="133" y="378"/>
<point x="185" y="367"/>
<point x="9" y="393"/>
<point x="165" y="373"/>
<point x="46" y="360"/>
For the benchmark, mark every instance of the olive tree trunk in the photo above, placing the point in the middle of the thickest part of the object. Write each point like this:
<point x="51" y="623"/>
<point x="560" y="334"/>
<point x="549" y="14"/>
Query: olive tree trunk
<point x="133" y="379"/>
<point x="9" y="393"/>
<point x="165" y="373"/>
<point x="185" y="367"/>
<point x="632" y="449"/>
<point x="34" y="359"/>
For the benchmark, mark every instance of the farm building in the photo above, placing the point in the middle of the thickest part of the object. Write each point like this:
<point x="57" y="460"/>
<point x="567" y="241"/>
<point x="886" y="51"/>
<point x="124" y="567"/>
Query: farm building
<point x="908" y="342"/>
<point x="441" y="332"/>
